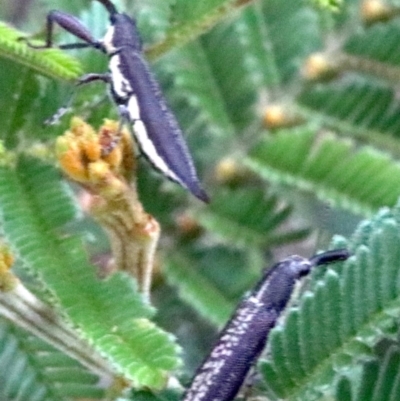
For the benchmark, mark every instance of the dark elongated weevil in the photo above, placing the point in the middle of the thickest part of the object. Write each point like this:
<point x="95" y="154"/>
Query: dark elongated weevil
<point x="136" y="93"/>
<point x="240" y="343"/>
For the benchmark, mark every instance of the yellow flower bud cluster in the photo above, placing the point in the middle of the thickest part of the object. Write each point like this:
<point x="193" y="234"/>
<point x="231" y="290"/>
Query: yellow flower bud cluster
<point x="7" y="280"/>
<point x="89" y="157"/>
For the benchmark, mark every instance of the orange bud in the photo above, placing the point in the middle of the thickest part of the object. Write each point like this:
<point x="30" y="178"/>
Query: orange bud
<point x="319" y="67"/>
<point x="375" y="11"/>
<point x="280" y="116"/>
<point x="275" y="116"/>
<point x="69" y="157"/>
<point x="91" y="148"/>
<point x="98" y="171"/>
<point x="188" y="226"/>
<point x="227" y="170"/>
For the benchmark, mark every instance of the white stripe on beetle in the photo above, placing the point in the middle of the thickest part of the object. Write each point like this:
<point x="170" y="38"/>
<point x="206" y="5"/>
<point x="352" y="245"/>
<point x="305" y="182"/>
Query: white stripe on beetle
<point x="150" y="151"/>
<point x="120" y="84"/>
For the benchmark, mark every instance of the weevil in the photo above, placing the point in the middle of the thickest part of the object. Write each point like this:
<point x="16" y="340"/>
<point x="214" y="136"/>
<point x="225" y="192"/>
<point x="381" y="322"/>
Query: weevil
<point x="242" y="340"/>
<point x="136" y="93"/>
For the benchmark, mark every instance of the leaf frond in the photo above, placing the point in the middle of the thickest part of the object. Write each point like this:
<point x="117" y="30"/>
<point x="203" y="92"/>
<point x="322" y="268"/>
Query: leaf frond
<point x="191" y="20"/>
<point x="248" y="218"/>
<point x="51" y="63"/>
<point x="379" y="379"/>
<point x="198" y="291"/>
<point x="367" y="110"/>
<point x="358" y="180"/>
<point x="34" y="371"/>
<point x="331" y="327"/>
<point x="111" y="314"/>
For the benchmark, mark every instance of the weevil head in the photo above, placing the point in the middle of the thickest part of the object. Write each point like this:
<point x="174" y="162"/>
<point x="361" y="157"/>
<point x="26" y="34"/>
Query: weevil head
<point x="121" y="33"/>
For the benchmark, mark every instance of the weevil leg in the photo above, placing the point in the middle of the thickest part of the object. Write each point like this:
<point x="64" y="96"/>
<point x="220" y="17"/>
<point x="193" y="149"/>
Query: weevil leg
<point x="106" y="150"/>
<point x="85" y="79"/>
<point x="78" y="45"/>
<point x="88" y="78"/>
<point x="56" y="117"/>
<point x="106" y="78"/>
<point x="123" y="112"/>
<point x="72" y="25"/>
<point x="125" y="118"/>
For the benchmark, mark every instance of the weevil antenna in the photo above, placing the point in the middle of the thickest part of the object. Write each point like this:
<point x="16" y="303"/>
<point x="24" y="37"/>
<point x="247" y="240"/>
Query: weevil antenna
<point x="330" y="257"/>
<point x="109" y="6"/>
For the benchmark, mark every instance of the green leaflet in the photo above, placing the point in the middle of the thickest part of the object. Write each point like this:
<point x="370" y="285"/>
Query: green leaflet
<point x="293" y="31"/>
<point x="361" y="102"/>
<point x="110" y="314"/>
<point x="195" y="81"/>
<point x="343" y="315"/>
<point x="367" y="109"/>
<point x="184" y="11"/>
<point x="248" y="217"/>
<point x="248" y="64"/>
<point x="379" y="379"/>
<point x="212" y="279"/>
<point x="360" y="181"/>
<point x="153" y="18"/>
<point x="191" y="20"/>
<point x="213" y="84"/>
<point x="166" y="395"/>
<point x="51" y="63"/>
<point x="22" y="358"/>
<point x="376" y="43"/>
<point x="198" y="291"/>
<point x="16" y="110"/>
<point x="332" y="5"/>
<point x="222" y="72"/>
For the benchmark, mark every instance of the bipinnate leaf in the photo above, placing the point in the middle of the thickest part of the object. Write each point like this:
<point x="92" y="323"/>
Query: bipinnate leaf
<point x="365" y="108"/>
<point x="31" y="370"/>
<point x="291" y="31"/>
<point x="361" y="102"/>
<point x="213" y="278"/>
<point x="342" y="317"/>
<point x="193" y="19"/>
<point x="357" y="180"/>
<point x="52" y="63"/>
<point x="110" y="314"/>
<point x="248" y="217"/>
<point x="201" y="293"/>
<point x="379" y="379"/>
<point x="376" y="43"/>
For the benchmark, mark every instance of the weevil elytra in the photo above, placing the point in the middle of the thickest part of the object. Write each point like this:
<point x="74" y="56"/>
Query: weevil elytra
<point x="136" y="93"/>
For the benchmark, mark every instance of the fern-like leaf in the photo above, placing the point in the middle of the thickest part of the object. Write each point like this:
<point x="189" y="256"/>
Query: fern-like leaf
<point x="343" y="316"/>
<point x="248" y="218"/>
<point x="379" y="381"/>
<point x="212" y="279"/>
<point x="193" y="19"/>
<point x="293" y="31"/>
<point x="360" y="181"/>
<point x="166" y="395"/>
<point x="366" y="109"/>
<point x="198" y="291"/>
<point x="51" y="63"/>
<point x="197" y="85"/>
<point x="31" y="370"/>
<point x="110" y="314"/>
<point x="376" y="43"/>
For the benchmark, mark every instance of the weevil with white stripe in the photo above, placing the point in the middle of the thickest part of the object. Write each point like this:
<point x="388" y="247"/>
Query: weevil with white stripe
<point x="242" y="340"/>
<point x="136" y="93"/>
